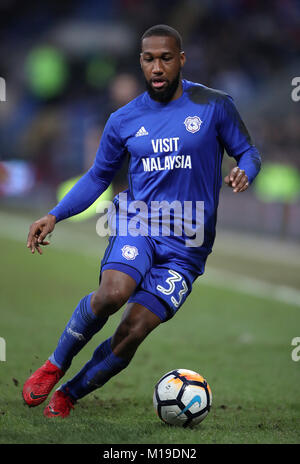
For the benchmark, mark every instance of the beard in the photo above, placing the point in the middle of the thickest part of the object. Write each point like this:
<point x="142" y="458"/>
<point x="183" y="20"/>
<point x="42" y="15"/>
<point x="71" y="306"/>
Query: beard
<point x="163" y="96"/>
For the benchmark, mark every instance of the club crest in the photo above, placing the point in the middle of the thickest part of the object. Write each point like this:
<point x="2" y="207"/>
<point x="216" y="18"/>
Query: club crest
<point x="129" y="252"/>
<point x="192" y="124"/>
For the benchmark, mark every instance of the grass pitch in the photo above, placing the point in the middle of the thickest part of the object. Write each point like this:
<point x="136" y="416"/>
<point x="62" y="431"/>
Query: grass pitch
<point x="241" y="343"/>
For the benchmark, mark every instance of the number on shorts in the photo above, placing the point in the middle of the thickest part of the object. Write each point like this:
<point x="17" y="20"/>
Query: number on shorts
<point x="175" y="277"/>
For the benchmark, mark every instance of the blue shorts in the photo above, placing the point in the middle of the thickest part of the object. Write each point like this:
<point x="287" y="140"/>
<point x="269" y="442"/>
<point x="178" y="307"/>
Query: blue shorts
<point x="163" y="280"/>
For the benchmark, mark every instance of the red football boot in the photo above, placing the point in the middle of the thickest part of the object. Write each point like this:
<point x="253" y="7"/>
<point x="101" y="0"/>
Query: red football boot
<point x="40" y="383"/>
<point x="60" y="405"/>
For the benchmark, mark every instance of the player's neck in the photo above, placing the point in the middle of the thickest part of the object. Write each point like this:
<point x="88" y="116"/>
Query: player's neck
<point x="178" y="91"/>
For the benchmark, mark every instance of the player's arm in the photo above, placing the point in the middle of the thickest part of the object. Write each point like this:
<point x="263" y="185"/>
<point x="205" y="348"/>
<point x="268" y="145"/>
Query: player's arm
<point x="237" y="142"/>
<point x="90" y="186"/>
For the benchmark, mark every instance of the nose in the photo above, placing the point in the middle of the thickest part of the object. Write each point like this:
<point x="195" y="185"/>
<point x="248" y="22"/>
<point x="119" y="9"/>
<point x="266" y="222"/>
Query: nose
<point x="157" y="67"/>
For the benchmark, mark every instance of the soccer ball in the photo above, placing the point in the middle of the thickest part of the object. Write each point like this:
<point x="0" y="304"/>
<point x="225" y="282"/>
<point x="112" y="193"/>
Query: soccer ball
<point x="182" y="397"/>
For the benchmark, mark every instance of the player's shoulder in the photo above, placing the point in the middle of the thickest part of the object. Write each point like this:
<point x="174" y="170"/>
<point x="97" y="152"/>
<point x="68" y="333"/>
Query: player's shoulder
<point x="201" y="94"/>
<point x="128" y="110"/>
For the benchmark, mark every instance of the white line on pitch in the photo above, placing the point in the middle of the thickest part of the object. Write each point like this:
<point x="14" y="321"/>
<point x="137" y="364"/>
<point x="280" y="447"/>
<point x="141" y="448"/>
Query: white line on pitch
<point x="249" y="285"/>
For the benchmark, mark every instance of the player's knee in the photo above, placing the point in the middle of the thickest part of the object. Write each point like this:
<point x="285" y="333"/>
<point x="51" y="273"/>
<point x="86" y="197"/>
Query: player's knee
<point x="136" y="335"/>
<point x="115" y="289"/>
<point x="107" y="300"/>
<point x="131" y="335"/>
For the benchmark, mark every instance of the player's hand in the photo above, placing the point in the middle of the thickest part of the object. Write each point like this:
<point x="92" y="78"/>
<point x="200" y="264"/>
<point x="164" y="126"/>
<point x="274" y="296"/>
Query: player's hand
<point x="38" y="232"/>
<point x="237" y="179"/>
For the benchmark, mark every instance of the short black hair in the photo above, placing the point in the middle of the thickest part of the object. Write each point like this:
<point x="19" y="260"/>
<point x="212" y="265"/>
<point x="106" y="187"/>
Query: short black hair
<point x="163" y="30"/>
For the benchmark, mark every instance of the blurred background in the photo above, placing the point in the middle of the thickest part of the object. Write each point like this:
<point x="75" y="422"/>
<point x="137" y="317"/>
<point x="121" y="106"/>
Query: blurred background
<point x="68" y="65"/>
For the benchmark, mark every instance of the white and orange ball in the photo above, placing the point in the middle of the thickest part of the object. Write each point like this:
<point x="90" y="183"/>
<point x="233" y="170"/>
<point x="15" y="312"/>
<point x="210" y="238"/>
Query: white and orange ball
<point x="182" y="397"/>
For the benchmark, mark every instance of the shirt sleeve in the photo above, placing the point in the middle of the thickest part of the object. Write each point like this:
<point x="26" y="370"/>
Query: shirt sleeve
<point x="236" y="139"/>
<point x="92" y="184"/>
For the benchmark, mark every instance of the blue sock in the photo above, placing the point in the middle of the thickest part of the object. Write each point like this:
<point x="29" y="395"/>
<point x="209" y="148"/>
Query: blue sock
<point x="103" y="365"/>
<point x="79" y="330"/>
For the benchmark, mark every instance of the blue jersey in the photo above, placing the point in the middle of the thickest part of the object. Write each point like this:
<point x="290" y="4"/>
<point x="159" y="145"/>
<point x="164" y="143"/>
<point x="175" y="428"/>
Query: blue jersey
<point x="176" y="152"/>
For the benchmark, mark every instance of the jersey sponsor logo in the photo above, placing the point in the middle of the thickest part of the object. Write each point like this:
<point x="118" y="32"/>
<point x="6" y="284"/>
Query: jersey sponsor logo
<point x="165" y="145"/>
<point x="167" y="163"/>
<point x="129" y="252"/>
<point x="192" y="124"/>
<point x="142" y="131"/>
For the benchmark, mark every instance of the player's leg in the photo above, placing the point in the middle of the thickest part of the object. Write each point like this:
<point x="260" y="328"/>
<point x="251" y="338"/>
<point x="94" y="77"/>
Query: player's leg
<point x="137" y="322"/>
<point x="88" y="318"/>
<point x="111" y="357"/>
<point x="160" y="294"/>
<point x="125" y="262"/>
<point x="91" y="314"/>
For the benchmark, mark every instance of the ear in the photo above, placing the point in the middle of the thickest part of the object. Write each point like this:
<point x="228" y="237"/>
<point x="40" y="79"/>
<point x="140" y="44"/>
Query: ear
<point x="141" y="60"/>
<point x="182" y="59"/>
